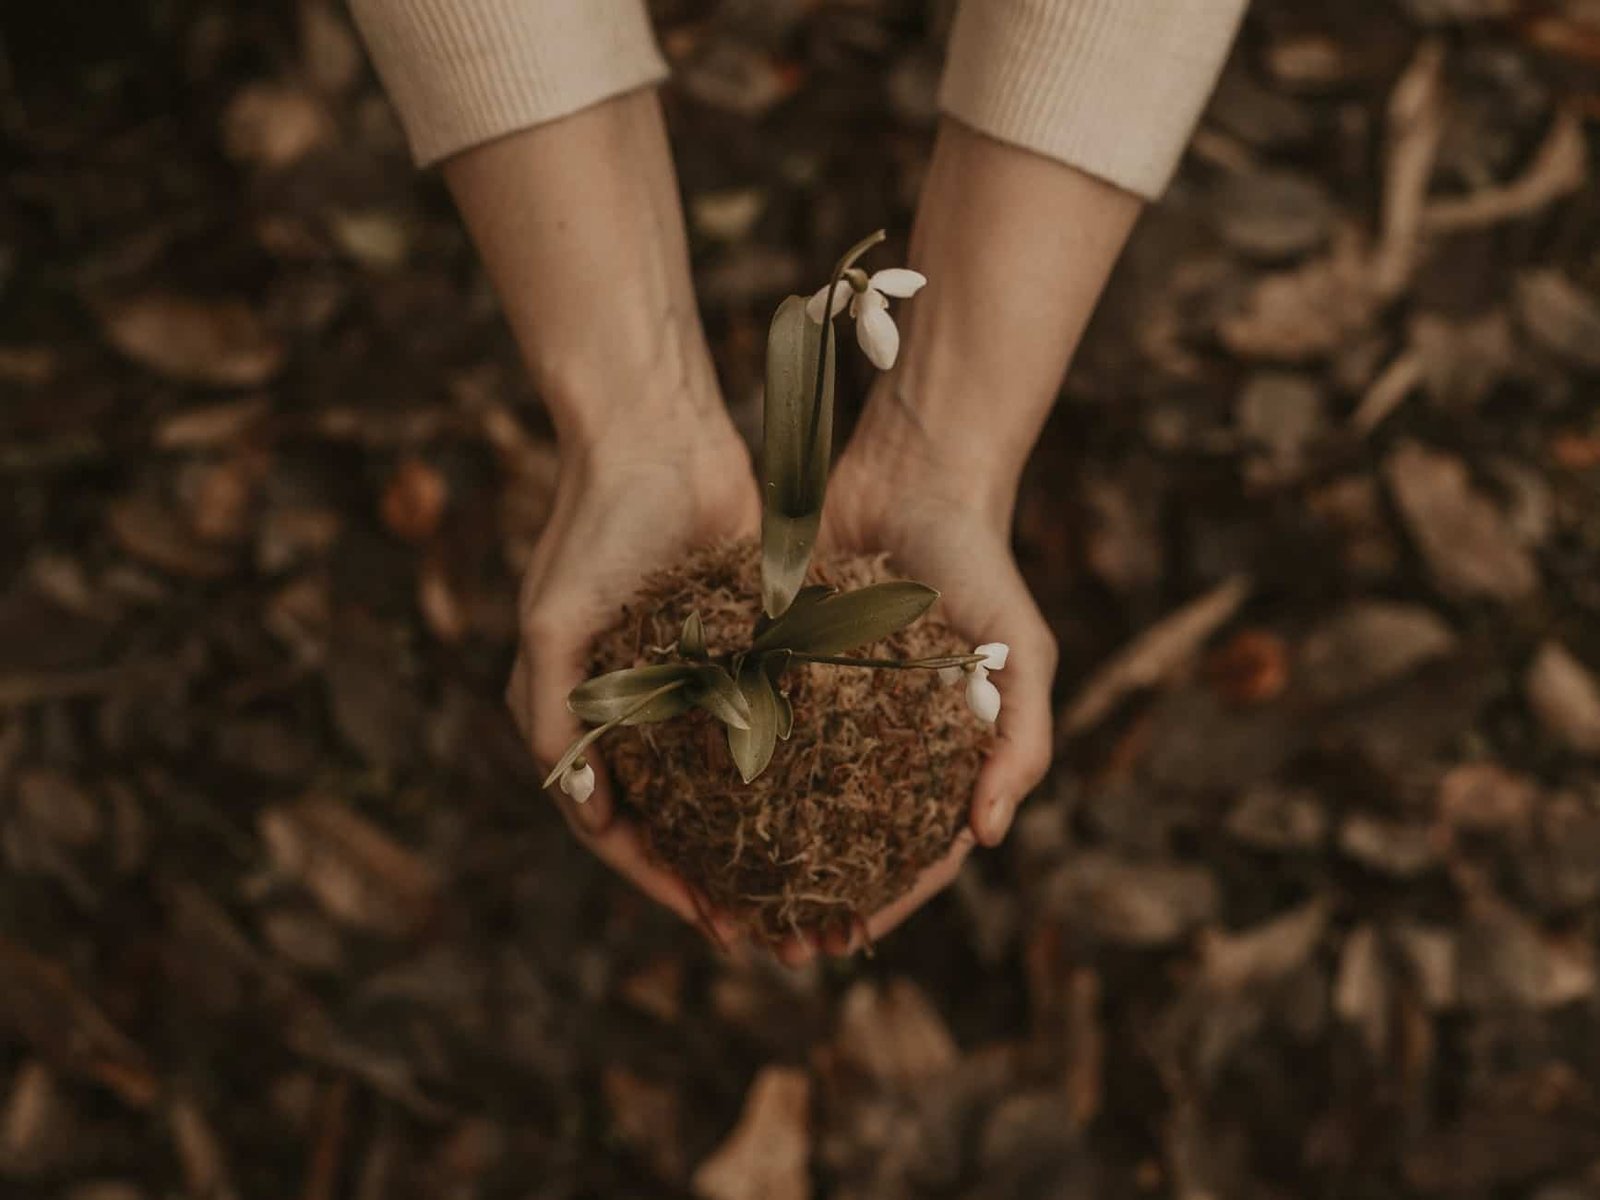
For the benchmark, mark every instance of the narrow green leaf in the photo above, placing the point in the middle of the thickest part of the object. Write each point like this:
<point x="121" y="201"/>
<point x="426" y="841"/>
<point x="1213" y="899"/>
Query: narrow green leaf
<point x="719" y="695"/>
<point x="786" y="545"/>
<point x="612" y="696"/>
<point x="836" y="623"/>
<point x="692" y="641"/>
<point x="752" y="747"/>
<point x="628" y="716"/>
<point x="798" y="442"/>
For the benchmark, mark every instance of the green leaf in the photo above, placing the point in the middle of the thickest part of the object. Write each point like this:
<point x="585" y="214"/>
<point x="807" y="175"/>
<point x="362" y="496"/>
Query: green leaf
<point x="786" y="545"/>
<point x="692" y="641"/>
<point x="719" y="695"/>
<point x="628" y="716"/>
<point x="797" y="449"/>
<point x="752" y="747"/>
<point x="610" y="697"/>
<point x="836" y="623"/>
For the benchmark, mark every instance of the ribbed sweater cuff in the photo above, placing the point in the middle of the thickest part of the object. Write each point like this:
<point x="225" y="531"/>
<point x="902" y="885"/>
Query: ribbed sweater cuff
<point x="461" y="72"/>
<point x="1113" y="87"/>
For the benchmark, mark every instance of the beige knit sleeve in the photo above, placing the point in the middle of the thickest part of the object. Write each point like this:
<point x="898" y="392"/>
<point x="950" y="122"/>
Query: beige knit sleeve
<point x="1113" y="87"/>
<point x="462" y="72"/>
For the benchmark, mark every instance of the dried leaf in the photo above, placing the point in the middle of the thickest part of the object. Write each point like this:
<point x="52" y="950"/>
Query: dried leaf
<point x="1153" y="655"/>
<point x="273" y="125"/>
<point x="1415" y="121"/>
<point x="1559" y="167"/>
<point x="1368" y="644"/>
<point x="1463" y="537"/>
<point x="767" y="1154"/>
<point x="1565" y="696"/>
<point x="40" y="1003"/>
<point x="1130" y="903"/>
<point x="357" y="872"/>
<point x="1306" y="313"/>
<point x="216" y="343"/>
<point x="892" y="1034"/>
<point x="1560" y="317"/>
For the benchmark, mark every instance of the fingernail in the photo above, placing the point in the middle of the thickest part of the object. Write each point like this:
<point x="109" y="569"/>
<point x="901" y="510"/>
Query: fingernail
<point x="998" y="819"/>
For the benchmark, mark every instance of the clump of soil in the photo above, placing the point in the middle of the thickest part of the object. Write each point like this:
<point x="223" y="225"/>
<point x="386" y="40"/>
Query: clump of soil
<point x="872" y="786"/>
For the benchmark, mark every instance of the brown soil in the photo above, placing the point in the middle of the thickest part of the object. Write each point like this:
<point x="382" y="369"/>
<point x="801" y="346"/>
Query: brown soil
<point x="872" y="786"/>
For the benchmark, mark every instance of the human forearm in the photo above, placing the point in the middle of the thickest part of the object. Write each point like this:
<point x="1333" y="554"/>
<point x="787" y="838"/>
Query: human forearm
<point x="1017" y="249"/>
<point x="579" y="225"/>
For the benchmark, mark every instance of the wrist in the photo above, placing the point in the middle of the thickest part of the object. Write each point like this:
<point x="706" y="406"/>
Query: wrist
<point x="918" y="440"/>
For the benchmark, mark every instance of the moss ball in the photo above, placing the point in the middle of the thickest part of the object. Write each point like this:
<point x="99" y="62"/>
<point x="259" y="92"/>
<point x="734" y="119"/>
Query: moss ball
<point x="872" y="786"/>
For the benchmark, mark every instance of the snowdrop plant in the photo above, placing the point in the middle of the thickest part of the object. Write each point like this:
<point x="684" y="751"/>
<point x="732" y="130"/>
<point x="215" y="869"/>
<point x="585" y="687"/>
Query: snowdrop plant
<point x="799" y="624"/>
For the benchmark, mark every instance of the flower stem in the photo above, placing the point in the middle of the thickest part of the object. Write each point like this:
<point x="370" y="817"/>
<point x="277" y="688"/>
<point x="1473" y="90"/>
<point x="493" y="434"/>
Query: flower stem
<point x="891" y="664"/>
<point x="575" y="751"/>
<point x="843" y="265"/>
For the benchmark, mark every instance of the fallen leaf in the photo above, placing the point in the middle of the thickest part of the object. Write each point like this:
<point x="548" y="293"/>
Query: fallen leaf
<point x="357" y="872"/>
<point x="1232" y="961"/>
<point x="892" y="1034"/>
<point x="1559" y="167"/>
<point x="40" y="1003"/>
<point x="1560" y="317"/>
<point x="1485" y="798"/>
<point x="1565" y="696"/>
<point x="1368" y="644"/>
<point x="1415" y="120"/>
<point x="1462" y="536"/>
<point x="215" y="343"/>
<point x="766" y="1155"/>
<point x="1306" y="313"/>
<point x="1153" y="655"/>
<point x="273" y="124"/>
<point x="1130" y="903"/>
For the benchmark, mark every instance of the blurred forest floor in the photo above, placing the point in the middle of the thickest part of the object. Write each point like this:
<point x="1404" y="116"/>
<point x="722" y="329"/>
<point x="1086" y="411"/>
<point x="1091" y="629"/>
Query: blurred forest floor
<point x="1310" y="905"/>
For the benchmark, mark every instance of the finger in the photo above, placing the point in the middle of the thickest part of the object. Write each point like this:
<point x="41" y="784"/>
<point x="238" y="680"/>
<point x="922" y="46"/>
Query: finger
<point x="795" y="952"/>
<point x="622" y="848"/>
<point x="932" y="881"/>
<point x="1022" y="748"/>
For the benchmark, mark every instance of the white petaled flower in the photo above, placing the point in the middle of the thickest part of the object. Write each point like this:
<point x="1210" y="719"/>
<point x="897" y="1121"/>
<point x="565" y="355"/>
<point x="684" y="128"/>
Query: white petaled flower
<point x="994" y="655"/>
<point x="578" y="781"/>
<point x="868" y="296"/>
<point x="983" y="698"/>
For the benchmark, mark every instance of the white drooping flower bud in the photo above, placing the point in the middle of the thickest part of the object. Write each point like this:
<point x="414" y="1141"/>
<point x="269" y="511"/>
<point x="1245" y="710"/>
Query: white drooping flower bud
<point x="875" y="328"/>
<point x="994" y="655"/>
<point x="577" y="781"/>
<point x="983" y="698"/>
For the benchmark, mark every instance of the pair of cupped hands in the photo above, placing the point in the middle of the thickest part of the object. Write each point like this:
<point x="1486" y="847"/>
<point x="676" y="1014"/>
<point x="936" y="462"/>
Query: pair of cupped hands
<point x="648" y="492"/>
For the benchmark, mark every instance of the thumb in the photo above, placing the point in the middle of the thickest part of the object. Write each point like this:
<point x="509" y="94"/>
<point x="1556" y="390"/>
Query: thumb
<point x="1022" y="751"/>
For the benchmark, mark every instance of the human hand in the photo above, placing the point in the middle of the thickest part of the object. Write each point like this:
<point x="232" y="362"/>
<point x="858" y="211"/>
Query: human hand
<point x="631" y="503"/>
<point x="957" y="541"/>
